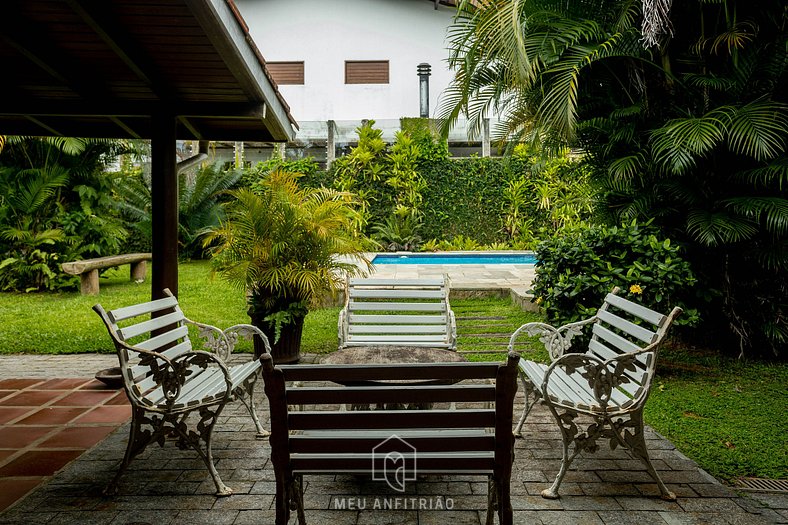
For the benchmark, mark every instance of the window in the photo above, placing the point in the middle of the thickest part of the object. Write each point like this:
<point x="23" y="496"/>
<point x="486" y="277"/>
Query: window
<point x="286" y="72"/>
<point x="366" y="72"/>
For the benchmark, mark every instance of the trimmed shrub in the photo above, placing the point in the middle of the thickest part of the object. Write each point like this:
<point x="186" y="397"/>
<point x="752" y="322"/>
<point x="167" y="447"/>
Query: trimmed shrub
<point x="576" y="270"/>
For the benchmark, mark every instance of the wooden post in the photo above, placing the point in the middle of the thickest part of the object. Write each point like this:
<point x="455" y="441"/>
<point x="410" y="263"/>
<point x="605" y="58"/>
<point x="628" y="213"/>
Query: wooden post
<point x="164" y="196"/>
<point x="331" y="144"/>
<point x="486" y="137"/>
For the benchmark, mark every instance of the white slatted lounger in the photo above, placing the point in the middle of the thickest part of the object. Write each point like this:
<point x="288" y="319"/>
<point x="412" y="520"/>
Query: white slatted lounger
<point x="397" y="312"/>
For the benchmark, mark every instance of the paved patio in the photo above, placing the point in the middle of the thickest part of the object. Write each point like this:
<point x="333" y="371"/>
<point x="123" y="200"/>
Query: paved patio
<point x="172" y="486"/>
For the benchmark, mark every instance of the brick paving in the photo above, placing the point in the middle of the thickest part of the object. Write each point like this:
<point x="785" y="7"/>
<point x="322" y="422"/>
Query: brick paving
<point x="172" y="486"/>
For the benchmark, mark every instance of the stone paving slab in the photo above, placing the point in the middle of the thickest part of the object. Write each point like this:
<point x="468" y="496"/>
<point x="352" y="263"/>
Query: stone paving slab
<point x="167" y="485"/>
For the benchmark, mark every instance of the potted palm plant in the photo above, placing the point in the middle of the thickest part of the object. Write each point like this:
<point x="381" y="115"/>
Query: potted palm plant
<point x="286" y="246"/>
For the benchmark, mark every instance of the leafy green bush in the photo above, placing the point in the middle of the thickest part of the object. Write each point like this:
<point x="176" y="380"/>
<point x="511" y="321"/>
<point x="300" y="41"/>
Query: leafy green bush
<point x="577" y="269"/>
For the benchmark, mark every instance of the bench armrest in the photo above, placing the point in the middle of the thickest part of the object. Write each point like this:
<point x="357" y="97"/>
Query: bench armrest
<point x="222" y="342"/>
<point x="555" y="340"/>
<point x="601" y="379"/>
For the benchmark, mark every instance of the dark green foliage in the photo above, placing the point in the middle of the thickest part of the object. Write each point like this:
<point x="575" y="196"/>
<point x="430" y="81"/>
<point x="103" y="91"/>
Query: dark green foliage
<point x="199" y="205"/>
<point x="54" y="207"/>
<point x="576" y="270"/>
<point x="465" y="197"/>
<point x="312" y="175"/>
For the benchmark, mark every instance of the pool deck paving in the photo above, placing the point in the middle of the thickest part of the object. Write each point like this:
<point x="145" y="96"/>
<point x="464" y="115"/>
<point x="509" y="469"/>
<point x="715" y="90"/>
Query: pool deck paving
<point x="167" y="485"/>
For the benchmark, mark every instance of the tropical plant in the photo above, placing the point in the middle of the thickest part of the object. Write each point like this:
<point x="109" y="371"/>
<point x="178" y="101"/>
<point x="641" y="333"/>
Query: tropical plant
<point x="199" y="204"/>
<point x="399" y="232"/>
<point x="54" y="207"/>
<point x="285" y="246"/>
<point x="690" y="132"/>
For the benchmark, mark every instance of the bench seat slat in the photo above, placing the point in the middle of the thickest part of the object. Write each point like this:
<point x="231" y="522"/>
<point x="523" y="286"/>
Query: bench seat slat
<point x="465" y="418"/>
<point x="647" y="336"/>
<point x="121" y="314"/>
<point x="398" y="294"/>
<point x="375" y="282"/>
<point x="397" y="329"/>
<point x="156" y="323"/>
<point x="635" y="309"/>
<point x="359" y="319"/>
<point x="463" y="461"/>
<point x="395" y="339"/>
<point x="400" y="372"/>
<point x="382" y="394"/>
<point x="155" y="343"/>
<point x="359" y="444"/>
<point x="396" y="307"/>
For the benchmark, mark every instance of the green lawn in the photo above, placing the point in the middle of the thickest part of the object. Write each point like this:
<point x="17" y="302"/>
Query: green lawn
<point x="727" y="415"/>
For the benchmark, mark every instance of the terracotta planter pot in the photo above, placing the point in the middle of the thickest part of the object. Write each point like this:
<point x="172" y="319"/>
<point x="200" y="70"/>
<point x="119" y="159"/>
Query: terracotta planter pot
<point x="288" y="348"/>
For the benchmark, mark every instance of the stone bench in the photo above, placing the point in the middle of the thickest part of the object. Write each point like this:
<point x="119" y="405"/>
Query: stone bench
<point x="88" y="269"/>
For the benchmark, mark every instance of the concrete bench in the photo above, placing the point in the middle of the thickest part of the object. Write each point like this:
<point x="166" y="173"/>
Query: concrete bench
<point x="397" y="312"/>
<point x="165" y="380"/>
<point x="88" y="269"/>
<point x="311" y="435"/>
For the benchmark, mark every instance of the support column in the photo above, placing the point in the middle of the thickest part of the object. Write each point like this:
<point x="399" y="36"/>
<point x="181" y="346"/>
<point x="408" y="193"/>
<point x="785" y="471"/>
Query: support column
<point x="164" y="197"/>
<point x="486" y="137"/>
<point x="331" y="143"/>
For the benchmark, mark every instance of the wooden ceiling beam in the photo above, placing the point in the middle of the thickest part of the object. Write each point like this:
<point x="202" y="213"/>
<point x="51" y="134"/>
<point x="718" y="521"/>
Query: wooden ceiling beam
<point x="112" y="34"/>
<point x="125" y="127"/>
<point x="48" y="130"/>
<point x="121" y="109"/>
<point x="32" y="43"/>
<point x="189" y="126"/>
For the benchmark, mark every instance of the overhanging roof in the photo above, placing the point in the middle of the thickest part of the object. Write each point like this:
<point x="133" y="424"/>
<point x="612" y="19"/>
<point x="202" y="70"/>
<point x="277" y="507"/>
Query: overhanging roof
<point x="104" y="68"/>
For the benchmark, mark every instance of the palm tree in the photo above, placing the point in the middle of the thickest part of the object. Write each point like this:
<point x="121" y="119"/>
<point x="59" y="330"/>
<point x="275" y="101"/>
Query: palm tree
<point x="285" y="246"/>
<point x="691" y="132"/>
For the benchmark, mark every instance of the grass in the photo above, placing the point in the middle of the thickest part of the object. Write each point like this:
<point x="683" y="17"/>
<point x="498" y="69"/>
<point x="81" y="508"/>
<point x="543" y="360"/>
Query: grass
<point x="727" y="415"/>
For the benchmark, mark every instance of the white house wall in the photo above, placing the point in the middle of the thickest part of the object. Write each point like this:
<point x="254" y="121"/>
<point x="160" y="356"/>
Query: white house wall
<point x="325" y="33"/>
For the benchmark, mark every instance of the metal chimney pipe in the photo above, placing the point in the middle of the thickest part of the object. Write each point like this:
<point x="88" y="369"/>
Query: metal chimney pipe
<point x="423" y="70"/>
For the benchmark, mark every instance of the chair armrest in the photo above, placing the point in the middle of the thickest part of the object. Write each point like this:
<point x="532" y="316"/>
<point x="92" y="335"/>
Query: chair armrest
<point x="556" y="340"/>
<point x="222" y="342"/>
<point x="183" y="366"/>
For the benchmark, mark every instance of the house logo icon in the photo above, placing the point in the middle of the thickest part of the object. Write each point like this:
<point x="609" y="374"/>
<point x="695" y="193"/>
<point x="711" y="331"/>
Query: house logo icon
<point x="394" y="461"/>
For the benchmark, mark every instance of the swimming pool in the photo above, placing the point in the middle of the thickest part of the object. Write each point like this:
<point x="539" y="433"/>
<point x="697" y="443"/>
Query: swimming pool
<point x="455" y="258"/>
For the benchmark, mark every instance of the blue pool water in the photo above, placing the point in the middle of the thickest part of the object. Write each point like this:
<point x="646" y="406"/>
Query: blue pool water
<point x="456" y="258"/>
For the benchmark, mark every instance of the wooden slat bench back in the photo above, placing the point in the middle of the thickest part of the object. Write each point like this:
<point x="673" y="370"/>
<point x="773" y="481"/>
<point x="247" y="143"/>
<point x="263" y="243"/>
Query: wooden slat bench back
<point x="475" y="438"/>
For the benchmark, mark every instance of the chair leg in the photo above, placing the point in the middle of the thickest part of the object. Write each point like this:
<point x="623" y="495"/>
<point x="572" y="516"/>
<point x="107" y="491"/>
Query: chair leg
<point x="298" y="499"/>
<point x="282" y="501"/>
<point x="492" y="500"/>
<point x="528" y="392"/>
<point x="568" y="432"/>
<point x="208" y="417"/>
<point x="138" y="440"/>
<point x="247" y="390"/>
<point x="637" y="444"/>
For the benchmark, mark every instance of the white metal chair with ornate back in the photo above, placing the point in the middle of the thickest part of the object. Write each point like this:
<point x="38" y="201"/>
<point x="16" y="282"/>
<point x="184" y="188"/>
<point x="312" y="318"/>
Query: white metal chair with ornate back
<point x="610" y="382"/>
<point x="165" y="380"/>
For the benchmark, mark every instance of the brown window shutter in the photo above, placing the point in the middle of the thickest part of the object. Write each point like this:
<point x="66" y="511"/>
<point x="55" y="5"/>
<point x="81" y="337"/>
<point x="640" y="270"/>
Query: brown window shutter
<point x="366" y="72"/>
<point x="286" y="72"/>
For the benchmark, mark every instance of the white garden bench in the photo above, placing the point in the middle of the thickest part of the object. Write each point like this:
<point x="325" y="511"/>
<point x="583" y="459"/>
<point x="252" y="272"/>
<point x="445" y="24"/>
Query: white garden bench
<point x="397" y="312"/>
<point x="609" y="383"/>
<point x="166" y="380"/>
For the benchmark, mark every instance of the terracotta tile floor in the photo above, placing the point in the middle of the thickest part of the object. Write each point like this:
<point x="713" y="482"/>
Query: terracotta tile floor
<point x="47" y="423"/>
